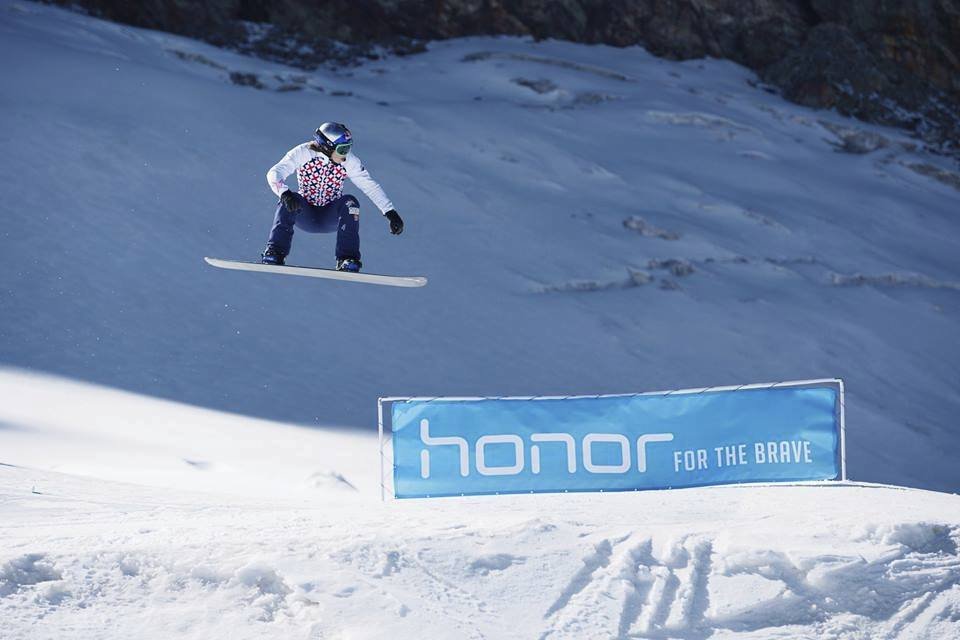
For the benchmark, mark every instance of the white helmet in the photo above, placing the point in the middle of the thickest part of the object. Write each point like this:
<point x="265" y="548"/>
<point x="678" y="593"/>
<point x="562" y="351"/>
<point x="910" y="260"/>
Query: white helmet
<point x="333" y="136"/>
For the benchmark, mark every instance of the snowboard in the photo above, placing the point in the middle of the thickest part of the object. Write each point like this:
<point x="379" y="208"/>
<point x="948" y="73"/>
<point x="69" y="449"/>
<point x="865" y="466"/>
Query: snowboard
<point x="316" y="272"/>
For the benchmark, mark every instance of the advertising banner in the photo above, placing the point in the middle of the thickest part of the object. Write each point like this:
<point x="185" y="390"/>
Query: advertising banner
<point x="756" y="433"/>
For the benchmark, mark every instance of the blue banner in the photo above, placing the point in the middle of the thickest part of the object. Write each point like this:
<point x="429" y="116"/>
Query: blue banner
<point x="444" y="447"/>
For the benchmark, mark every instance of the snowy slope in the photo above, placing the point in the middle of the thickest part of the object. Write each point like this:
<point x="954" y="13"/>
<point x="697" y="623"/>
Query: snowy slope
<point x="556" y="195"/>
<point x="126" y="516"/>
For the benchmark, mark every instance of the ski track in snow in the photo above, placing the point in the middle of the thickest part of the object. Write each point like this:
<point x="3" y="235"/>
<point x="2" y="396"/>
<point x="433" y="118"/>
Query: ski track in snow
<point x="638" y="595"/>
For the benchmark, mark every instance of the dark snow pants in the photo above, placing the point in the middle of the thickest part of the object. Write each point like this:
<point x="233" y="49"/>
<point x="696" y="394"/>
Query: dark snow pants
<point x="341" y="215"/>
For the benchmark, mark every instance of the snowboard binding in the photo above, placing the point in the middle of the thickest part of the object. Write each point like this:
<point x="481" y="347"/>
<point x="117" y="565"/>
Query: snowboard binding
<point x="349" y="264"/>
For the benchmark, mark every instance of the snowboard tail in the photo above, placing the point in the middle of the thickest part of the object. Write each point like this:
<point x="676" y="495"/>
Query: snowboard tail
<point x="317" y="272"/>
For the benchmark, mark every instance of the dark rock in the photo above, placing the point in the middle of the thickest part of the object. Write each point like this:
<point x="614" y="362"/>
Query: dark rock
<point x="641" y="226"/>
<point x="245" y="79"/>
<point x="917" y="37"/>
<point x="538" y="86"/>
<point x="830" y="68"/>
<point x="835" y="69"/>
<point x="894" y="63"/>
<point x="949" y="178"/>
<point x="196" y="57"/>
<point x="677" y="267"/>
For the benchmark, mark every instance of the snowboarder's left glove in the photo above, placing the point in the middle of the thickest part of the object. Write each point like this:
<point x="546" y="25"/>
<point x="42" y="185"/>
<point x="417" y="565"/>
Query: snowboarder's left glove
<point x="396" y="222"/>
<point x="290" y="201"/>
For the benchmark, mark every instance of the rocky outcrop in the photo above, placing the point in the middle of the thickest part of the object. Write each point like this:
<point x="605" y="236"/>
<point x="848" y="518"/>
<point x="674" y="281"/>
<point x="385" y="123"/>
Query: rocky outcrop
<point x="893" y="62"/>
<point x="835" y="69"/>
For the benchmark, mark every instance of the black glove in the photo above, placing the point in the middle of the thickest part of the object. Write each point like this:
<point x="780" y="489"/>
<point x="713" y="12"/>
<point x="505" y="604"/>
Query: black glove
<point x="290" y="201"/>
<point x="396" y="222"/>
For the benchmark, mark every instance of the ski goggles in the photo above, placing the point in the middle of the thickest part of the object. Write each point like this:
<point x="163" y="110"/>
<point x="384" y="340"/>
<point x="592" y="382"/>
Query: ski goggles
<point x="342" y="148"/>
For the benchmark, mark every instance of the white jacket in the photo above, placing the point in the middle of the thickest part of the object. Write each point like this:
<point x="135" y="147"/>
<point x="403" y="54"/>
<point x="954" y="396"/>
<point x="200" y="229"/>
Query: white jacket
<point x="321" y="180"/>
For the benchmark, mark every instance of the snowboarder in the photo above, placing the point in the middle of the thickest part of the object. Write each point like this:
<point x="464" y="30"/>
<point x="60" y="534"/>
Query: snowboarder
<point x="321" y="206"/>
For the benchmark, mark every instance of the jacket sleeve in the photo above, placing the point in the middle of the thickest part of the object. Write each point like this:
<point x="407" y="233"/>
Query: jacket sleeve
<point x="288" y="164"/>
<point x="359" y="175"/>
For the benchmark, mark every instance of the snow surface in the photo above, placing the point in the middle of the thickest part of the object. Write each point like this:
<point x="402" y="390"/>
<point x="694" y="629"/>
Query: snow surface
<point x="127" y="516"/>
<point x="592" y="220"/>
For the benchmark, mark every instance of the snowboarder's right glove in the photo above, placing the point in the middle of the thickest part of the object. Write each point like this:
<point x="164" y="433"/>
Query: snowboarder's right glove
<point x="290" y="201"/>
<point x="396" y="222"/>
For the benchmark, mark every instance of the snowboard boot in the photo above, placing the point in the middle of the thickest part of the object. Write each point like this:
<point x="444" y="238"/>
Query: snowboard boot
<point x="349" y="264"/>
<point x="272" y="256"/>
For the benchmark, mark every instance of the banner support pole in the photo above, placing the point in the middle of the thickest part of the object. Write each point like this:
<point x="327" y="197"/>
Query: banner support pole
<point x="380" y="445"/>
<point x="843" y="433"/>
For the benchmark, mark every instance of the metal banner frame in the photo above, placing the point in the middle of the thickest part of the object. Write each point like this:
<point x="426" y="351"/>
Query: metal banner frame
<point x="385" y="430"/>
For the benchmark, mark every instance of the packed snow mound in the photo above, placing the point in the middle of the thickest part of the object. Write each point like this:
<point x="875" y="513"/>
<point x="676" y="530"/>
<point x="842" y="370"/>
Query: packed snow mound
<point x="592" y="220"/>
<point x="127" y="516"/>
